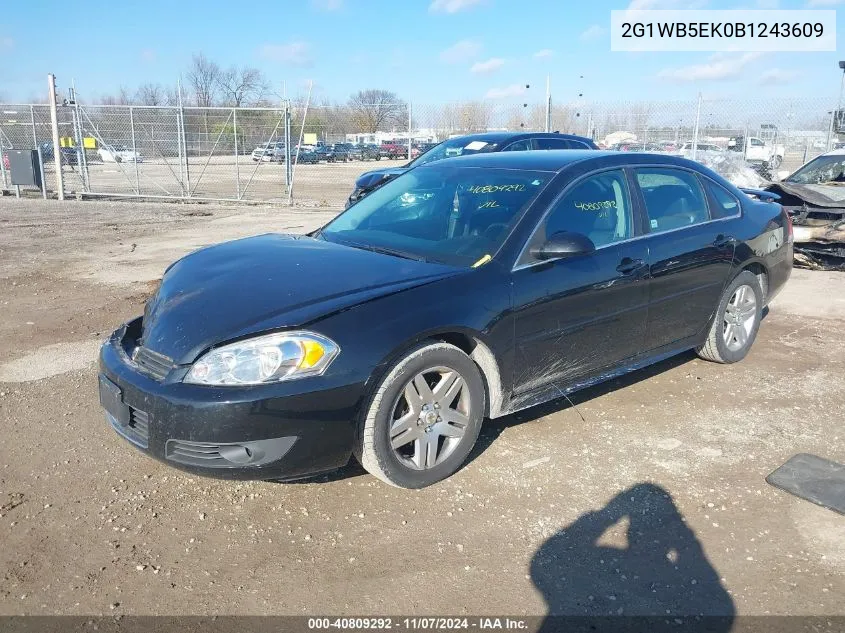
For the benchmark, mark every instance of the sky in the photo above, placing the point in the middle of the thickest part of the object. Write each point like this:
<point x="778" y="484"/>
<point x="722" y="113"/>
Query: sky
<point x="426" y="51"/>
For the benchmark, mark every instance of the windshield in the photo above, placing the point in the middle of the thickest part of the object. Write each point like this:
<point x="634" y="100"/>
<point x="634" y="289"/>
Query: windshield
<point x="454" y="216"/>
<point x="822" y="169"/>
<point x="453" y="147"/>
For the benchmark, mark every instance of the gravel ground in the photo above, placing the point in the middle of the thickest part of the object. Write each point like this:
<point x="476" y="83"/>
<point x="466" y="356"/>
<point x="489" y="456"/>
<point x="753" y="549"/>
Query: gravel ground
<point x="646" y="496"/>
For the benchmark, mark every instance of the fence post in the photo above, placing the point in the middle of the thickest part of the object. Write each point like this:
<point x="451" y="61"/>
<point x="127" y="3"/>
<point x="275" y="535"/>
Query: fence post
<point x="179" y="149"/>
<point x="288" y="153"/>
<point x="830" y="129"/>
<point x="32" y="120"/>
<point x="134" y="150"/>
<point x="184" y="146"/>
<point x="409" y="130"/>
<point x="41" y="171"/>
<point x="81" y="158"/>
<point x="237" y="154"/>
<point x="695" y="128"/>
<point x="54" y="121"/>
<point x="3" y="169"/>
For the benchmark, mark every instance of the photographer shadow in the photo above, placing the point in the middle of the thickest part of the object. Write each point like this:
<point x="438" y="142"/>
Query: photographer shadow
<point x="634" y="557"/>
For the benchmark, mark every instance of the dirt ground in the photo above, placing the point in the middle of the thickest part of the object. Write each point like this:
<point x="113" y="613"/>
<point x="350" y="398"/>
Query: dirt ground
<point x="647" y="496"/>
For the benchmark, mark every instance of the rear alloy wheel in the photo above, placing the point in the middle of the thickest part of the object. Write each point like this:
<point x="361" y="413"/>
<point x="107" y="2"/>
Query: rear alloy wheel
<point x="736" y="322"/>
<point x="424" y="418"/>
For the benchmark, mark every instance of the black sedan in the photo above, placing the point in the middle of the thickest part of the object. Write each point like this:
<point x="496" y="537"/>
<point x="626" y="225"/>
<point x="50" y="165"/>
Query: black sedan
<point x="467" y="145"/>
<point x="462" y="290"/>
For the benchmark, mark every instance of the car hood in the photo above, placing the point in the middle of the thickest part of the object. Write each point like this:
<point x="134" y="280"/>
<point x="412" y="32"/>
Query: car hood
<point x="370" y="179"/>
<point x="822" y="195"/>
<point x="238" y="288"/>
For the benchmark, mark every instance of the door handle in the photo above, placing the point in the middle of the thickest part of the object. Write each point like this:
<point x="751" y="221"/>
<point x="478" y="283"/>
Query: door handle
<point x="724" y="240"/>
<point x="628" y="265"/>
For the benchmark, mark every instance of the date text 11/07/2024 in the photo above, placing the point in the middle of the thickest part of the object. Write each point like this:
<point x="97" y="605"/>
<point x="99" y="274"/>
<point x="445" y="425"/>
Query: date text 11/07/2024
<point x="418" y="623"/>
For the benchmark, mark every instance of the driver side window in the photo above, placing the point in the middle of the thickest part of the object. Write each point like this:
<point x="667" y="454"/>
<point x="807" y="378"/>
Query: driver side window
<point x="598" y="206"/>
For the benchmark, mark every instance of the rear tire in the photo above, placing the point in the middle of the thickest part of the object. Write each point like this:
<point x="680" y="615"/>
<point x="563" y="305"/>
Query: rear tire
<point x="736" y="321"/>
<point x="424" y="417"/>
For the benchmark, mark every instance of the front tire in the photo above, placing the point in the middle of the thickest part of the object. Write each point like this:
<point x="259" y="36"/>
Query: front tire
<point x="736" y="321"/>
<point x="423" y="418"/>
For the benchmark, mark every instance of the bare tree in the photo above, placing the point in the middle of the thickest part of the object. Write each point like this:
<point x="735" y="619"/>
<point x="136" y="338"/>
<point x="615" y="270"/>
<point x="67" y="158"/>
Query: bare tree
<point x="372" y="109"/>
<point x="121" y="98"/>
<point x="473" y="116"/>
<point x="241" y="85"/>
<point x="204" y="80"/>
<point x="151" y="94"/>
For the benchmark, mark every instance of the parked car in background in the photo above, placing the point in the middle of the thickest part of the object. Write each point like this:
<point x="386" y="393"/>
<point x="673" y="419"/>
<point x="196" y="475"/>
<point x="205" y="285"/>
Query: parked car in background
<point x="69" y="155"/>
<point x="369" y="151"/>
<point x="118" y="154"/>
<point x="424" y="147"/>
<point x="685" y="149"/>
<point x="326" y="153"/>
<point x="343" y="151"/>
<point x="471" y="144"/>
<point x="268" y="152"/>
<point x="498" y="282"/>
<point x="307" y="156"/>
<point x="393" y="151"/>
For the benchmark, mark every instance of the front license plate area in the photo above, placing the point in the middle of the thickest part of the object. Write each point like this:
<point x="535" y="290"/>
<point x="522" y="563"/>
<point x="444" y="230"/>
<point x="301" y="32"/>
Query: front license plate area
<point x="111" y="399"/>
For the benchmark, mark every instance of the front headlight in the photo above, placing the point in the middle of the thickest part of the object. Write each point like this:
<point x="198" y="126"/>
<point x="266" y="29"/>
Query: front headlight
<point x="264" y="359"/>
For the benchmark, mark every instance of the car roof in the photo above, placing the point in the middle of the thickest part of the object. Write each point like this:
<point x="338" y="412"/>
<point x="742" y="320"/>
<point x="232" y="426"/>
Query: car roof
<point x="559" y="159"/>
<point x="836" y="152"/>
<point x="499" y="137"/>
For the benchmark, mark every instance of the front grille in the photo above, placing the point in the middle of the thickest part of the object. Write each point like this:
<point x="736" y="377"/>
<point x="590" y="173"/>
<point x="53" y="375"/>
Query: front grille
<point x="152" y="363"/>
<point x="137" y="430"/>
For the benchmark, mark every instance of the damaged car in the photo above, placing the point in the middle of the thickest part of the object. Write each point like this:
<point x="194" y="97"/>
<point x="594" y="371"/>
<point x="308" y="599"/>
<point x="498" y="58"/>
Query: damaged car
<point x="814" y="197"/>
<point x="462" y="290"/>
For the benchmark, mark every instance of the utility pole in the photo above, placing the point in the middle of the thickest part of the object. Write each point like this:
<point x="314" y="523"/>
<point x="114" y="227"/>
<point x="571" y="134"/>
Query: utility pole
<point x="54" y="120"/>
<point x="548" y="104"/>
<point x="409" y="130"/>
<point x="696" y="128"/>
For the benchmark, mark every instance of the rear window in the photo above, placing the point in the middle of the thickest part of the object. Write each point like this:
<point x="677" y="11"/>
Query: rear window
<point x="673" y="198"/>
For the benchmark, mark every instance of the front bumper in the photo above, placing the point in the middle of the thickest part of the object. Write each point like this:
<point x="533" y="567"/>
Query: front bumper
<point x="282" y="431"/>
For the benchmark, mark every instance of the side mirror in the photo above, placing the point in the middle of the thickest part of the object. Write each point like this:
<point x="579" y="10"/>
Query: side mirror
<point x="783" y="174"/>
<point x="564" y="244"/>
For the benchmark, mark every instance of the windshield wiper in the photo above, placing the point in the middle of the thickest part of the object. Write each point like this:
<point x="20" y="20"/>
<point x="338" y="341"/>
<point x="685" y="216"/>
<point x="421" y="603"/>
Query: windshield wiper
<point x="384" y="250"/>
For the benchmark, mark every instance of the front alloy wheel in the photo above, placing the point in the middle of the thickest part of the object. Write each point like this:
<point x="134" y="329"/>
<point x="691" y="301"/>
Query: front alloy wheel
<point x="430" y="417"/>
<point x="423" y="418"/>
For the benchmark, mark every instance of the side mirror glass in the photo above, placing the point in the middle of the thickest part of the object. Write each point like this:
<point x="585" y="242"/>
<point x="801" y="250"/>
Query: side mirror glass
<point x="564" y="244"/>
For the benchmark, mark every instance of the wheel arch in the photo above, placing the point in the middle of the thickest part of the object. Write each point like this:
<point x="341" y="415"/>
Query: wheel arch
<point x="759" y="270"/>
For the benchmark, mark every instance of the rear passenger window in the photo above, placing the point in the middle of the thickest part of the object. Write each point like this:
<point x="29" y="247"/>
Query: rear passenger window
<point x="552" y="143"/>
<point x="726" y="205"/>
<point x="673" y="199"/>
<point x="519" y="146"/>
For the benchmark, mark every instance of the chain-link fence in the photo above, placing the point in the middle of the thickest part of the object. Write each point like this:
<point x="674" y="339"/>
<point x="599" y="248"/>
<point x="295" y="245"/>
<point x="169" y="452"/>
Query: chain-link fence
<point x="311" y="155"/>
